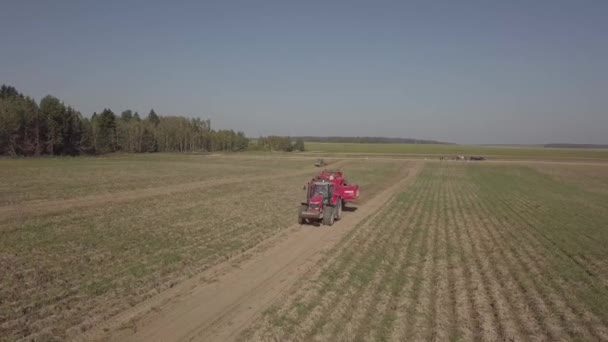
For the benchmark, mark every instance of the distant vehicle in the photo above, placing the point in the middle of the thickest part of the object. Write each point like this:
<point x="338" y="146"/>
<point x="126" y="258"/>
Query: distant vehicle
<point x="477" y="158"/>
<point x="326" y="195"/>
<point x="320" y="163"/>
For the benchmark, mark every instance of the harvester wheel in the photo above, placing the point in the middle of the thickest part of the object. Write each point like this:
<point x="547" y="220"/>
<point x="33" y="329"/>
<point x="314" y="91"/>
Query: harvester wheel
<point x="338" y="209"/>
<point x="328" y="216"/>
<point x="300" y="218"/>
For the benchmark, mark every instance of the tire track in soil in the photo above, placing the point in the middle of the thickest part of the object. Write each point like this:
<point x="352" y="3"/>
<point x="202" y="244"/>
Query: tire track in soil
<point x="221" y="309"/>
<point x="575" y="318"/>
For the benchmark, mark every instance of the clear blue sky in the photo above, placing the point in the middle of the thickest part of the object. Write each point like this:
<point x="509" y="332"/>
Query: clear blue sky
<point x="459" y="71"/>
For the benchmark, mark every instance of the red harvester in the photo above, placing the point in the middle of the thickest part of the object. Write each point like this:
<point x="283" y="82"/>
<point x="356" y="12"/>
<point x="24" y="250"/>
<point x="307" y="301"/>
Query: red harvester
<point x="326" y="195"/>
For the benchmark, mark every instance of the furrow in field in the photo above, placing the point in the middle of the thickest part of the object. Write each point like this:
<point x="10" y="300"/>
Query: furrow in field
<point x="366" y="322"/>
<point x="480" y="316"/>
<point x="334" y="280"/>
<point x="493" y="324"/>
<point x="437" y="326"/>
<point x="351" y="314"/>
<point x="407" y="299"/>
<point x="449" y="312"/>
<point x="465" y="323"/>
<point x="359" y="273"/>
<point x="297" y="305"/>
<point x="422" y="319"/>
<point x="307" y="296"/>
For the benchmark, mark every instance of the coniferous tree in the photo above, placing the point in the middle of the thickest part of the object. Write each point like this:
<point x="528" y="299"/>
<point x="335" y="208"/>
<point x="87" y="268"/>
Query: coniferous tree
<point x="105" y="124"/>
<point x="153" y="118"/>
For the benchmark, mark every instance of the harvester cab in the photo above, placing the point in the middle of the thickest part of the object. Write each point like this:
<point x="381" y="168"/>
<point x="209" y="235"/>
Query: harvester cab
<point x="322" y="190"/>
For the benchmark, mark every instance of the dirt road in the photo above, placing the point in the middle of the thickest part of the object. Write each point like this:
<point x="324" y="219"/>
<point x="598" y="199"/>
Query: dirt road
<point x="219" y="304"/>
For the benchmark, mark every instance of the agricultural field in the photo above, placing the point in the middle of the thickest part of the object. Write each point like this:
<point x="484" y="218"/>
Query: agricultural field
<point x="206" y="247"/>
<point x="433" y="150"/>
<point x="86" y="238"/>
<point x="465" y="252"/>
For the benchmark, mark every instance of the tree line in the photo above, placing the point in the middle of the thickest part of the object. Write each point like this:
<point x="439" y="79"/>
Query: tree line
<point x="277" y="143"/>
<point x="51" y="127"/>
<point x="371" y="140"/>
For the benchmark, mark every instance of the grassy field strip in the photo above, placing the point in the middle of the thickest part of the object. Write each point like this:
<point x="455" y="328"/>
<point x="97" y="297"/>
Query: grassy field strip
<point x="369" y="272"/>
<point x="592" y="178"/>
<point x="64" y="178"/>
<point x="493" y="305"/>
<point x="464" y="317"/>
<point x="564" y="298"/>
<point x="573" y="291"/>
<point x="29" y="209"/>
<point x="437" y="149"/>
<point x="409" y="301"/>
<point x="587" y="251"/>
<point x="575" y="228"/>
<point x="527" y="272"/>
<point x="499" y="291"/>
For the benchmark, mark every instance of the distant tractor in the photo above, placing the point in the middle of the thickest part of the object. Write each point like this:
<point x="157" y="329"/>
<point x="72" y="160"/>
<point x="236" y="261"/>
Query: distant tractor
<point x="326" y="195"/>
<point x="320" y="163"/>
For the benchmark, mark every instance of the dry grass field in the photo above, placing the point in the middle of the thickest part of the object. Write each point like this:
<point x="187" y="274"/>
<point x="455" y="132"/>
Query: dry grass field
<point x="85" y="238"/>
<point x="434" y="251"/>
